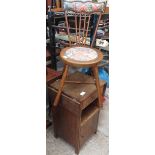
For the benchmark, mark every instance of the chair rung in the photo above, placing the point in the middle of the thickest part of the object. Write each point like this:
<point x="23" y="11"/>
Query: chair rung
<point x="79" y="82"/>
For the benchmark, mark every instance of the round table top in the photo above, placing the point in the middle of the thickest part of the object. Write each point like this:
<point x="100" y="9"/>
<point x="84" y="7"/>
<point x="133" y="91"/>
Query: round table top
<point x="81" y="56"/>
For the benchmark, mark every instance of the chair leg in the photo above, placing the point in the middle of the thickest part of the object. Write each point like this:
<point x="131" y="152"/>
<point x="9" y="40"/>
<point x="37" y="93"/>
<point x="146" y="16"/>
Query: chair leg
<point x="61" y="85"/>
<point x="63" y="72"/>
<point x="95" y="72"/>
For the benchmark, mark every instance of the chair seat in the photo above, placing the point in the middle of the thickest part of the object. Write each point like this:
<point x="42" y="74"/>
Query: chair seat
<point x="81" y="56"/>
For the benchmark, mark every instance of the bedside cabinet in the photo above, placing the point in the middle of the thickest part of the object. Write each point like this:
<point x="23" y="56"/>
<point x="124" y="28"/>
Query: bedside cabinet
<point x="76" y="117"/>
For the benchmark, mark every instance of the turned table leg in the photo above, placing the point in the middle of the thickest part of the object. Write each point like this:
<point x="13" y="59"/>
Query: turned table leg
<point x="61" y="86"/>
<point x="95" y="72"/>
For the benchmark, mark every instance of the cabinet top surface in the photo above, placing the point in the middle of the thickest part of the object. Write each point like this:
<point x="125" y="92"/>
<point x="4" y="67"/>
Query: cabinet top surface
<point x="77" y="91"/>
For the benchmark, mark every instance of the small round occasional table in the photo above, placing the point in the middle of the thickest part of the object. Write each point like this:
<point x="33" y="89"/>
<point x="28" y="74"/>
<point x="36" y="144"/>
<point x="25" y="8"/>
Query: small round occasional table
<point x="80" y="57"/>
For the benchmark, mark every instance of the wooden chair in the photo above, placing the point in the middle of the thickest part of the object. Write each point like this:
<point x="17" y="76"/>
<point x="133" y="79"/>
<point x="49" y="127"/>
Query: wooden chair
<point x="79" y="54"/>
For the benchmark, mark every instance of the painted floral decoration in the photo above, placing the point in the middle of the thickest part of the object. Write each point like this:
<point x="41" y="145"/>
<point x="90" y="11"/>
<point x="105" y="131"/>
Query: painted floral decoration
<point x="81" y="54"/>
<point x="84" y="6"/>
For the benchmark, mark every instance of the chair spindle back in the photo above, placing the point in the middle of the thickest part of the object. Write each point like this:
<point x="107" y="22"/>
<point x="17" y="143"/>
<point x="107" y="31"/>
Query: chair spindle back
<point x="78" y="23"/>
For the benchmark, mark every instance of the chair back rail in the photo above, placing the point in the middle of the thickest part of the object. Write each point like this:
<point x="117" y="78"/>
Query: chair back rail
<point x="78" y="22"/>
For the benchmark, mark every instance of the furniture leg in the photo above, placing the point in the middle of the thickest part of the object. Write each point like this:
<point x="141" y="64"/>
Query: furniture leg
<point x="55" y="135"/>
<point x="77" y="150"/>
<point x="54" y="115"/>
<point x="61" y="86"/>
<point x="95" y="72"/>
<point x="64" y="70"/>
